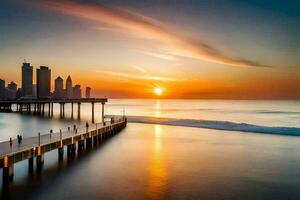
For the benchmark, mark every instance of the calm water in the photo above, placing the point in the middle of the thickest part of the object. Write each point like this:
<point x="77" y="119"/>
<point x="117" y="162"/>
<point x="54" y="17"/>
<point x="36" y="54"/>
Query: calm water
<point x="166" y="162"/>
<point x="268" y="113"/>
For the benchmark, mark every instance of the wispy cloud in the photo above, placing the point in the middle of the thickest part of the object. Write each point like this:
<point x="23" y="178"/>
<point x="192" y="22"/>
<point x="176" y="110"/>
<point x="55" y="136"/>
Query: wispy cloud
<point x="139" y="69"/>
<point x="159" y="55"/>
<point x="145" y="27"/>
<point x="137" y="76"/>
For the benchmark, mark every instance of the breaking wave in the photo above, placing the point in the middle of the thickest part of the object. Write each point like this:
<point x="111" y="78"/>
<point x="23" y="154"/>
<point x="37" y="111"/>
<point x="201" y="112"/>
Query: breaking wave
<point x="219" y="125"/>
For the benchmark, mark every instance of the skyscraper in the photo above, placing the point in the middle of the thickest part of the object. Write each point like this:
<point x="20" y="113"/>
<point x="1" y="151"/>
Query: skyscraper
<point x="77" y="92"/>
<point x="34" y="90"/>
<point x="69" y="88"/>
<point x="11" y="91"/>
<point x="43" y="80"/>
<point x="27" y="72"/>
<point x="88" y="92"/>
<point x="12" y="86"/>
<point x="2" y="89"/>
<point x="59" y="88"/>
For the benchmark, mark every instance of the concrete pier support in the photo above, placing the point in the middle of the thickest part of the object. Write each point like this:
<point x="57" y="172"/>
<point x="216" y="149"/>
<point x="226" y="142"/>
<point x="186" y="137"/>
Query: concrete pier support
<point x="30" y="164"/>
<point x="39" y="158"/>
<point x="60" y="110"/>
<point x="63" y="110"/>
<point x="80" y="145"/>
<point x="78" y="110"/>
<point x="8" y="170"/>
<point x="72" y="110"/>
<point x="40" y="162"/>
<point x="49" y="109"/>
<point x="102" y="113"/>
<point x="60" y="153"/>
<point x="88" y="142"/>
<point x="43" y="109"/>
<point x="95" y="141"/>
<point x="52" y="109"/>
<point x="71" y="149"/>
<point x="99" y="138"/>
<point x="93" y="112"/>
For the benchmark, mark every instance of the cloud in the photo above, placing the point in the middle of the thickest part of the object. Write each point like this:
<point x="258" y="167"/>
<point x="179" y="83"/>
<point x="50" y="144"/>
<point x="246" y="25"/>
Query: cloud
<point x="144" y="27"/>
<point x="159" y="55"/>
<point x="139" y="69"/>
<point x="136" y="76"/>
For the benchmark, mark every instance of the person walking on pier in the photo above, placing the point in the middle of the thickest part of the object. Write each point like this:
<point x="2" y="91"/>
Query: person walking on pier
<point x="51" y="131"/>
<point x="19" y="139"/>
<point x="87" y="126"/>
<point x="10" y="142"/>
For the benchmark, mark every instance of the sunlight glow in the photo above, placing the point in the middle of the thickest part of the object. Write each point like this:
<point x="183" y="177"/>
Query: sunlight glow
<point x="158" y="91"/>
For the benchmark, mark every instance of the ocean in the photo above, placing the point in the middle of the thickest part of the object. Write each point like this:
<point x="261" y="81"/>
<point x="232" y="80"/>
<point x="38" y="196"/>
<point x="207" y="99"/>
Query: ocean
<point x="171" y="149"/>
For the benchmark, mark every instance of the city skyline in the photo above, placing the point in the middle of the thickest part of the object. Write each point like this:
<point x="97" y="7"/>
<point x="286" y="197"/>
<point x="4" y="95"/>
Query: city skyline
<point x="42" y="87"/>
<point x="232" y="50"/>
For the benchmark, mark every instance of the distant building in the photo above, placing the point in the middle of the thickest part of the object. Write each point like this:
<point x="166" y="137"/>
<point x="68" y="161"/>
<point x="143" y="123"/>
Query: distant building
<point x="77" y="92"/>
<point x="88" y="92"/>
<point x="19" y="93"/>
<point x="12" y="86"/>
<point x="59" y="88"/>
<point x="11" y="91"/>
<point x="69" y="88"/>
<point x="34" y="90"/>
<point x="43" y="77"/>
<point x="2" y="89"/>
<point x="27" y="72"/>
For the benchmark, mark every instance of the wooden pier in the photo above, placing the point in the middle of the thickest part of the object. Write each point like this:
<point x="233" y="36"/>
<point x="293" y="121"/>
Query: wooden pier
<point x="34" y="148"/>
<point x="37" y="106"/>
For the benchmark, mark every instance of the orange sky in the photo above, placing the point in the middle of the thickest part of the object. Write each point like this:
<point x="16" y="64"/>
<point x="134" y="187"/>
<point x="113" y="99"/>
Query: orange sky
<point x="127" y="51"/>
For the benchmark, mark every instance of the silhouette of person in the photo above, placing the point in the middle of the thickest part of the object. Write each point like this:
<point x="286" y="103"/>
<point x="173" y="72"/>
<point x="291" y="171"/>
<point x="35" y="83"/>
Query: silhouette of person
<point x="10" y="142"/>
<point x="19" y="140"/>
<point x="87" y="126"/>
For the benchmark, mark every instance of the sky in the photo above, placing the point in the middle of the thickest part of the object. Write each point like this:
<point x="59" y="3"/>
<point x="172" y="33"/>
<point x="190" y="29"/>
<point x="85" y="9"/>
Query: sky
<point x="200" y="49"/>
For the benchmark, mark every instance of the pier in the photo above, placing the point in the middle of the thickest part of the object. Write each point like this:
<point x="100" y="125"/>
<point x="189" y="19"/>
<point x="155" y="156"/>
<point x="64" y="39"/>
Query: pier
<point x="39" y="106"/>
<point x="34" y="148"/>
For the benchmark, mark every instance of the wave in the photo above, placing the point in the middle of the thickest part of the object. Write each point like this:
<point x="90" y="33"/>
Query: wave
<point x="277" y="112"/>
<point x="219" y="125"/>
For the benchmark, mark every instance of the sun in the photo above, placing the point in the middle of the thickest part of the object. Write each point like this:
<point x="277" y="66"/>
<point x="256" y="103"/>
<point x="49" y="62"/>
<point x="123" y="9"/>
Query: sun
<point x="158" y="91"/>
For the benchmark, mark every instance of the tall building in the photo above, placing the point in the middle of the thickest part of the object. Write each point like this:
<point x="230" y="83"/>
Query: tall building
<point x="11" y="91"/>
<point x="12" y="86"/>
<point x="2" y="89"/>
<point x="19" y="93"/>
<point x="69" y="88"/>
<point x="88" y="92"/>
<point x="59" y="88"/>
<point x="34" y="90"/>
<point x="43" y="80"/>
<point x="77" y="92"/>
<point x="27" y="72"/>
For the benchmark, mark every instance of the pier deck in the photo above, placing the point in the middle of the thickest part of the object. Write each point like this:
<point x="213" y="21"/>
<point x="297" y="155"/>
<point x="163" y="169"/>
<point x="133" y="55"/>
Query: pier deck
<point x="35" y="147"/>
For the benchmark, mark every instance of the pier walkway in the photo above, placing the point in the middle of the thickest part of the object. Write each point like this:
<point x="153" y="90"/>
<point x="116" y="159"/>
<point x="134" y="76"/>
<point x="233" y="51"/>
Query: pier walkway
<point x="35" y="147"/>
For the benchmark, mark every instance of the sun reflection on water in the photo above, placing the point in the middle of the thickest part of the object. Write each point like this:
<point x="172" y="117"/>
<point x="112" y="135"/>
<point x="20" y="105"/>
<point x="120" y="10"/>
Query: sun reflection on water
<point x="157" y="169"/>
<point x="157" y="109"/>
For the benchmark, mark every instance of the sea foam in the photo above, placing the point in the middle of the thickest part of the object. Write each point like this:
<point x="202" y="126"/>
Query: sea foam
<point x="219" y="125"/>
